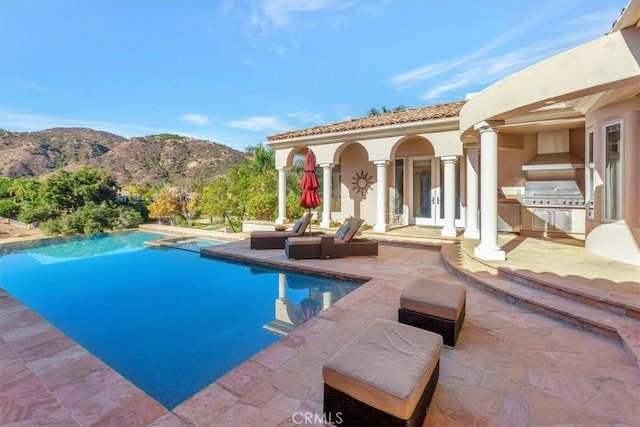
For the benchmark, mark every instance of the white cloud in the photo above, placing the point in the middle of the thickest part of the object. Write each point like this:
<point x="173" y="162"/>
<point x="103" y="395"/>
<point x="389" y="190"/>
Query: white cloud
<point x="25" y="121"/>
<point x="476" y="70"/>
<point x="432" y="70"/>
<point x="259" y="123"/>
<point x="195" y="118"/>
<point x="270" y="18"/>
<point x="306" y="117"/>
<point x="34" y="86"/>
<point x="283" y="13"/>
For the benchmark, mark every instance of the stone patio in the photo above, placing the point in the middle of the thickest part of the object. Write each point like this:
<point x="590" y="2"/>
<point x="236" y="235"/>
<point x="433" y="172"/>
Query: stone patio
<point x="511" y="366"/>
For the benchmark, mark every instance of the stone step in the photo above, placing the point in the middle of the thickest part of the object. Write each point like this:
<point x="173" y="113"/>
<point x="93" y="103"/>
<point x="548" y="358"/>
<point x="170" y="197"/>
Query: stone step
<point x="582" y="294"/>
<point x="562" y="307"/>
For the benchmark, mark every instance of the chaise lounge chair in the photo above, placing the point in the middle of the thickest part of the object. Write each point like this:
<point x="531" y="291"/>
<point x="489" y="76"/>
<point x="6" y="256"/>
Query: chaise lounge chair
<point x="342" y="244"/>
<point x="276" y="239"/>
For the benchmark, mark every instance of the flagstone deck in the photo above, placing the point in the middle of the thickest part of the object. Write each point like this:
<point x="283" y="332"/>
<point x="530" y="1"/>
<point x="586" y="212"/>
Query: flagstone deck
<point x="511" y="366"/>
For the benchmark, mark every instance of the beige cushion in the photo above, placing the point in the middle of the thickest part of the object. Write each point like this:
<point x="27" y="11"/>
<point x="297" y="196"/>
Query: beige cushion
<point x="387" y="366"/>
<point x="306" y="219"/>
<point x="354" y="226"/>
<point x="342" y="231"/>
<point x="440" y="299"/>
<point x="297" y="225"/>
<point x="304" y="241"/>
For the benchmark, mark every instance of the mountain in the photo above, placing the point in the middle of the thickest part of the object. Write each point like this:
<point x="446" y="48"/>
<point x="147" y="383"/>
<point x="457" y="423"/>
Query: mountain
<point x="150" y="159"/>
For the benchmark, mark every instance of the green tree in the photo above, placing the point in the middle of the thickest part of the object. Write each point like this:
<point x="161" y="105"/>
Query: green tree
<point x="8" y="208"/>
<point x="66" y="192"/>
<point x="31" y="212"/>
<point x="57" y="192"/>
<point x="263" y="159"/>
<point x="216" y="199"/>
<point x="93" y="185"/>
<point x="23" y="188"/>
<point x="376" y="112"/>
<point x="5" y="183"/>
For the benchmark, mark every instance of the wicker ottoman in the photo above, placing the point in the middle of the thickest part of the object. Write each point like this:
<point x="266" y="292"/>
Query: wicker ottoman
<point x="385" y="376"/>
<point x="435" y="306"/>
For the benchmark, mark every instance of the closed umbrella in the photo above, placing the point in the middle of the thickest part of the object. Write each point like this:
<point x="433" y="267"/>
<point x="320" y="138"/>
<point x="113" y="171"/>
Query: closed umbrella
<point x="309" y="185"/>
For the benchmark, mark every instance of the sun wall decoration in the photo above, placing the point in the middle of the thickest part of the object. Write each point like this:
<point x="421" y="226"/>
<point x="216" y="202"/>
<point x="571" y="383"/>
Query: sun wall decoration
<point x="362" y="182"/>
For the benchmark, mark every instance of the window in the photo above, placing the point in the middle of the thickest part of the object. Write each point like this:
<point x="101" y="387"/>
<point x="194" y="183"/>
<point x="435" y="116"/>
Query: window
<point x="398" y="183"/>
<point x="590" y="178"/>
<point x="613" y="174"/>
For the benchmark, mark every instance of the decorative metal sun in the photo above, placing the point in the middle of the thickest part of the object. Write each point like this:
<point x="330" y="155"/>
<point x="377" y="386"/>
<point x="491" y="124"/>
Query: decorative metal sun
<point x="362" y="182"/>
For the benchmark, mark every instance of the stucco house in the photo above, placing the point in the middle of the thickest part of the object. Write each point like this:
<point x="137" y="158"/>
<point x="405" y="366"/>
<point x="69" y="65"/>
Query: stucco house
<point x="552" y="150"/>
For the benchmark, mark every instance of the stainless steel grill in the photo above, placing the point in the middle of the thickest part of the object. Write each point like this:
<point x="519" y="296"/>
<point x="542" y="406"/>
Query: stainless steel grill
<point x="553" y="194"/>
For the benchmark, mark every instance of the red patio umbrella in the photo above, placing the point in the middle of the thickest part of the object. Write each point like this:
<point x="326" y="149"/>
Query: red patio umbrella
<point x="309" y="185"/>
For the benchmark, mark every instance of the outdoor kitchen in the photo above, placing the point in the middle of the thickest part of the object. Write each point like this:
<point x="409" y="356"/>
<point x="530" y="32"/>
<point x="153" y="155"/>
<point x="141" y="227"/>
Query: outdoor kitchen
<point x="551" y="203"/>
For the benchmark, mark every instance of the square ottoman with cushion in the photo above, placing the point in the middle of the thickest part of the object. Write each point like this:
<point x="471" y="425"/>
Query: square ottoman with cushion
<point x="385" y="376"/>
<point x="436" y="306"/>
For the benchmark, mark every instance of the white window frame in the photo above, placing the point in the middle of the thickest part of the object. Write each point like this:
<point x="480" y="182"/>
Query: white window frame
<point x="404" y="185"/>
<point x="620" y="190"/>
<point x="591" y="175"/>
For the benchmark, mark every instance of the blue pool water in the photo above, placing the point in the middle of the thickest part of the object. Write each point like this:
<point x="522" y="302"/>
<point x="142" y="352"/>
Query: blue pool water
<point x="167" y="320"/>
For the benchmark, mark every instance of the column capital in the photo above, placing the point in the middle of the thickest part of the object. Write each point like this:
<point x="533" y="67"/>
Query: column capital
<point x="488" y="126"/>
<point x="449" y="159"/>
<point x="325" y="165"/>
<point x="381" y="162"/>
<point x="281" y="168"/>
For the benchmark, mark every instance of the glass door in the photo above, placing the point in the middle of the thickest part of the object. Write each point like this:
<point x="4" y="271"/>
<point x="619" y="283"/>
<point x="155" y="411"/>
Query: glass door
<point x="458" y="218"/>
<point x="425" y="195"/>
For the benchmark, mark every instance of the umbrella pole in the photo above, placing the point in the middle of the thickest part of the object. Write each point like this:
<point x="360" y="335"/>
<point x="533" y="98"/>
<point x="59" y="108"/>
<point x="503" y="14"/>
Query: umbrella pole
<point x="309" y="222"/>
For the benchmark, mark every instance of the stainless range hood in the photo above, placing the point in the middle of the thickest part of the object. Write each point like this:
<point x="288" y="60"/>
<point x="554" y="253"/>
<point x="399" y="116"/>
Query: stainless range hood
<point x="553" y="153"/>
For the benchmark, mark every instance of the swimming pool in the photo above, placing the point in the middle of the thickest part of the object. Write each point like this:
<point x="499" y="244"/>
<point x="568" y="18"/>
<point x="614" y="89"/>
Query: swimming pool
<point x="168" y="320"/>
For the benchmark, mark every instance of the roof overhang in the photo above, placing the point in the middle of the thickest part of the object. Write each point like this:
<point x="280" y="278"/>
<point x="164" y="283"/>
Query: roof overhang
<point x="607" y="64"/>
<point x="399" y="130"/>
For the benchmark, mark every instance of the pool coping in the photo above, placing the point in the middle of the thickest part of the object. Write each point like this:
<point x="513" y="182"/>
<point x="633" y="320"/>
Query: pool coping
<point x="510" y="366"/>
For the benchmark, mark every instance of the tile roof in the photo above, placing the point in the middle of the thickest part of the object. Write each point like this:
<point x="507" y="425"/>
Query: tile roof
<point x="431" y="112"/>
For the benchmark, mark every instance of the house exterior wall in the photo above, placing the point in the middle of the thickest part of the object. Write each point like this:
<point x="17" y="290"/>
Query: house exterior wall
<point x="353" y="160"/>
<point x="414" y="146"/>
<point x="513" y="151"/>
<point x="625" y="233"/>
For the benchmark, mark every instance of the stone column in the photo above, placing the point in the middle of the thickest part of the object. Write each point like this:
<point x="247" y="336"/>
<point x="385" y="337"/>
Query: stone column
<point x="449" y="228"/>
<point x="488" y="248"/>
<point x="282" y="195"/>
<point x="471" y="230"/>
<point x="326" y="195"/>
<point x="381" y="207"/>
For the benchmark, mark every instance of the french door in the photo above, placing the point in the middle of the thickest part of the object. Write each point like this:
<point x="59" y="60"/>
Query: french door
<point x="425" y="191"/>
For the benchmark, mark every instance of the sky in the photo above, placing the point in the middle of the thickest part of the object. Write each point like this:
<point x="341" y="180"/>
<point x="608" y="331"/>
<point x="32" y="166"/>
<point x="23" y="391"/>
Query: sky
<point x="235" y="72"/>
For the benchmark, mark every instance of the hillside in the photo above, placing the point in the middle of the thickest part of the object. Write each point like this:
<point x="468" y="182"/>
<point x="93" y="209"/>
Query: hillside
<point x="150" y="159"/>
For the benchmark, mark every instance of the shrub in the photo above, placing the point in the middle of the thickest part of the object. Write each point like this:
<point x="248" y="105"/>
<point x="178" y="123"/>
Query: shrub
<point x="127" y="218"/>
<point x="294" y="210"/>
<point x="8" y="208"/>
<point x="35" y="212"/>
<point x="262" y="206"/>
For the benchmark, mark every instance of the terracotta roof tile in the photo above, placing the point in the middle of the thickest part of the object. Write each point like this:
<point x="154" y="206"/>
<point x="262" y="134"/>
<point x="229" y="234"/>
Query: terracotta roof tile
<point x="438" y="111"/>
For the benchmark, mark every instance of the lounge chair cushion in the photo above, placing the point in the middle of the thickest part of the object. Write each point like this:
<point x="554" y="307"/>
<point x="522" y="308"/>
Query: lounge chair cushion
<point x="297" y="225"/>
<point x="342" y="231"/>
<point x="387" y="366"/>
<point x="354" y="226"/>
